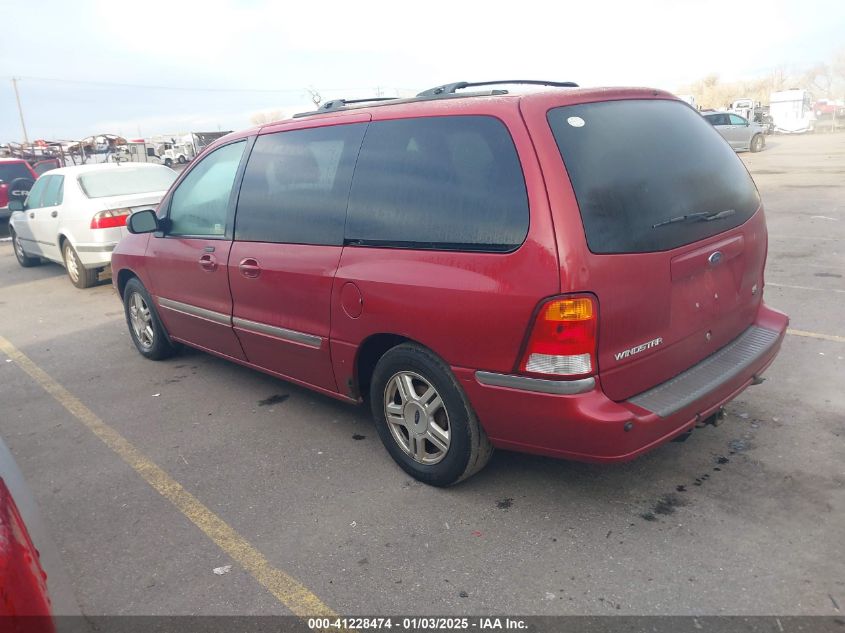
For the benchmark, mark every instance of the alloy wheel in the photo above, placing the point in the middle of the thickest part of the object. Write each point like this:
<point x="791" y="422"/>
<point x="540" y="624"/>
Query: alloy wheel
<point x="71" y="264"/>
<point x="417" y="417"/>
<point x="141" y="320"/>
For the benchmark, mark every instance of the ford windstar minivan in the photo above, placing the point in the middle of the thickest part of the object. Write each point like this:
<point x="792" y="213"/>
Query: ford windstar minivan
<point x="568" y="272"/>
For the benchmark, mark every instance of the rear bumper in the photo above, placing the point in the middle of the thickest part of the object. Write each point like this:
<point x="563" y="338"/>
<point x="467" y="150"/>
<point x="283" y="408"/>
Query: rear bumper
<point x="589" y="426"/>
<point x="95" y="254"/>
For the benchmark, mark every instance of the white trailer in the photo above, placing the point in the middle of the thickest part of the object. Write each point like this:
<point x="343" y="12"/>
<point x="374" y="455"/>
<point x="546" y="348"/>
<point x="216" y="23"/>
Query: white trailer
<point x="792" y="111"/>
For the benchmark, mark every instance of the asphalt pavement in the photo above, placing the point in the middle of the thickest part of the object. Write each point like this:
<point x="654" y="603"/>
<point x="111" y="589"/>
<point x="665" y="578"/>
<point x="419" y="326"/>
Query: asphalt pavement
<point x="744" y="518"/>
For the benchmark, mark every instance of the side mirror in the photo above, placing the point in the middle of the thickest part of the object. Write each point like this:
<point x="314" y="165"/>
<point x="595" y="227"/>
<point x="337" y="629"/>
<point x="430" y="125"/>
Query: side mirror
<point x="144" y="221"/>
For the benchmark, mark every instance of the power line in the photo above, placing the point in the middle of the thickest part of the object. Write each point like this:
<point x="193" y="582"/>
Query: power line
<point x="176" y="88"/>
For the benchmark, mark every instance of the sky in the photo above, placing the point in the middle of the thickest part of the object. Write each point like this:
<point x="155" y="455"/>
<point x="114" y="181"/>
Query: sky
<point x="144" y="67"/>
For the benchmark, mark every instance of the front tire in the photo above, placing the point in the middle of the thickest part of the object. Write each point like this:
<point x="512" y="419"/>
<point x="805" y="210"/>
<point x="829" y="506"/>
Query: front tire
<point x="20" y="254"/>
<point x="182" y="160"/>
<point x="79" y="276"/>
<point x="758" y="143"/>
<point x="424" y="419"/>
<point x="168" y="162"/>
<point x="145" y="327"/>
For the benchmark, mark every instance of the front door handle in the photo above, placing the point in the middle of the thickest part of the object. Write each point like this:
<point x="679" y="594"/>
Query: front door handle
<point x="32" y="215"/>
<point x="249" y="268"/>
<point x="54" y="214"/>
<point x="208" y="263"/>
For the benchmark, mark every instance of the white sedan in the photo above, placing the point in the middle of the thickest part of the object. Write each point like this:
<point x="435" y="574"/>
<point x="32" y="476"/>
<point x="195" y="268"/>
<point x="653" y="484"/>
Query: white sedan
<point x="75" y="216"/>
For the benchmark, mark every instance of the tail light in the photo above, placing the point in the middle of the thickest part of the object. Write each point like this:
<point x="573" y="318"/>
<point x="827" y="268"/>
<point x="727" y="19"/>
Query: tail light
<point x="110" y="218"/>
<point x="23" y="584"/>
<point x="563" y="339"/>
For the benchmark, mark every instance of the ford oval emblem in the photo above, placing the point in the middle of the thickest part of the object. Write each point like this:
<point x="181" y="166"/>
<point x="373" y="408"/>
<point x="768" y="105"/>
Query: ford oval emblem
<point x="715" y="258"/>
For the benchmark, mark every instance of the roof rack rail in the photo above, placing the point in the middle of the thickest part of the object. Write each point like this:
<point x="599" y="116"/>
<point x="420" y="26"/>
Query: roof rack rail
<point x="448" y="89"/>
<point x="337" y="104"/>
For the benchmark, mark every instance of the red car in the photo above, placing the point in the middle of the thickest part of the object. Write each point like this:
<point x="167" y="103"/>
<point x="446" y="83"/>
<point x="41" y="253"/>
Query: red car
<point x="10" y="170"/>
<point x="574" y="272"/>
<point x="13" y="168"/>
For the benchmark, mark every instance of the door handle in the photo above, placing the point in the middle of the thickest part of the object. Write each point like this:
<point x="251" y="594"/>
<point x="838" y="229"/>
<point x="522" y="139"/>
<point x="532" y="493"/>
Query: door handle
<point x="54" y="214"/>
<point x="249" y="268"/>
<point x="208" y="263"/>
<point x="32" y="215"/>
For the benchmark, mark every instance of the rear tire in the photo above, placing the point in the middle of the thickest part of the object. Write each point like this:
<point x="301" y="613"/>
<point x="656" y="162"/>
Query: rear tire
<point x="145" y="328"/>
<point x="20" y="254"/>
<point x="432" y="431"/>
<point x="79" y="276"/>
<point x="168" y="162"/>
<point x="182" y="160"/>
<point x="758" y="143"/>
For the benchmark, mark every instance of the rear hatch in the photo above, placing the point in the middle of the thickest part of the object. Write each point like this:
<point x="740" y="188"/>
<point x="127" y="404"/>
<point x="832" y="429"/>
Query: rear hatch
<point x="675" y="236"/>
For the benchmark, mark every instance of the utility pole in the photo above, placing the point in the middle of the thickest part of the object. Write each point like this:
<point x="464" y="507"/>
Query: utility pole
<point x="20" y="109"/>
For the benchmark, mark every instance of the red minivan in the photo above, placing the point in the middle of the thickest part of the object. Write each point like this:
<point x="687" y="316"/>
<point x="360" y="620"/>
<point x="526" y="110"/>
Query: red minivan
<point x="573" y="272"/>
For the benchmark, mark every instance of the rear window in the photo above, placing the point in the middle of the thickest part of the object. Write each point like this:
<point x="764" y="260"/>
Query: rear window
<point x="638" y="163"/>
<point x="122" y="181"/>
<point x="446" y="183"/>
<point x="10" y="171"/>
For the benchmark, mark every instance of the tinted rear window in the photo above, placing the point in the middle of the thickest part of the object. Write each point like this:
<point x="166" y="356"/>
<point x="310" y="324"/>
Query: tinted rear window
<point x="10" y="171"/>
<point x="634" y="164"/>
<point x="296" y="186"/>
<point x="123" y="180"/>
<point x="452" y="183"/>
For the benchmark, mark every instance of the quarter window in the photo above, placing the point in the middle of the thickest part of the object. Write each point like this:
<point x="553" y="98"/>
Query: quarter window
<point x="448" y="183"/>
<point x="296" y="185"/>
<point x="200" y="203"/>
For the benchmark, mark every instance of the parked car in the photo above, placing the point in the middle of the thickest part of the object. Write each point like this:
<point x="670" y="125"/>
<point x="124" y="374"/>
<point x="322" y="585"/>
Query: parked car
<point x="572" y="272"/>
<point x="33" y="583"/>
<point x="75" y="216"/>
<point x="12" y="169"/>
<point x="741" y="133"/>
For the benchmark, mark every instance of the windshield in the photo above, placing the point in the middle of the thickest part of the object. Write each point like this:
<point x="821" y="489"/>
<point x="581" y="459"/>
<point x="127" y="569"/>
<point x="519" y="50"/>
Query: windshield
<point x="636" y="164"/>
<point x="122" y="181"/>
<point x="10" y="171"/>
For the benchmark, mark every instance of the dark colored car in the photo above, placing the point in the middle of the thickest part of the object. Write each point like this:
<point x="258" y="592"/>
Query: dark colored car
<point x="574" y="272"/>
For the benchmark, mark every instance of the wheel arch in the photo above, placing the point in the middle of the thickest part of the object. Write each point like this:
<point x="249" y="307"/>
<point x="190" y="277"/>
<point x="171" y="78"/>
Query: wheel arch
<point x="368" y="354"/>
<point x="123" y="277"/>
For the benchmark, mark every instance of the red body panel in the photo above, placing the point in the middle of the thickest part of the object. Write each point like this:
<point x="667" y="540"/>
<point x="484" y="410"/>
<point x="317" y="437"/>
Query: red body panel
<point x="292" y="291"/>
<point x="176" y="273"/>
<point x="474" y="309"/>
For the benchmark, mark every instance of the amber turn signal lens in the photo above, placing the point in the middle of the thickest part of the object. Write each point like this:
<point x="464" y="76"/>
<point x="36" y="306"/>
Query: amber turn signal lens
<point x="580" y="309"/>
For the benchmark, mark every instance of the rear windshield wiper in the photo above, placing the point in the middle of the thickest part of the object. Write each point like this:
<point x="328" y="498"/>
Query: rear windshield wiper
<point x="701" y="216"/>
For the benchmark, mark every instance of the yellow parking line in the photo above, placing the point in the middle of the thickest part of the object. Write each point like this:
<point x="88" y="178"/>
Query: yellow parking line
<point x="289" y="591"/>
<point x="824" y="337"/>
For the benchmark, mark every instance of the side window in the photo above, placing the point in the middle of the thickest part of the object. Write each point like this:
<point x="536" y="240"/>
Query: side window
<point x="737" y="120"/>
<point x="53" y="192"/>
<point x="296" y="185"/>
<point x="200" y="203"/>
<point x="33" y="200"/>
<point x="449" y="183"/>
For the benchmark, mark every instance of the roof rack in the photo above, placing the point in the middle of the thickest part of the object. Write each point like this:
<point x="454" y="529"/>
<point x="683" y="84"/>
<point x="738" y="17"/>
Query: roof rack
<point x="337" y="104"/>
<point x="448" y="89"/>
<point x="440" y="92"/>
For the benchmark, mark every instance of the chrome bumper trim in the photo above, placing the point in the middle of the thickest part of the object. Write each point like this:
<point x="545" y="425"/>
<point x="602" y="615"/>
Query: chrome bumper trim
<point x="708" y="375"/>
<point x="524" y="383"/>
<point x="185" y="308"/>
<point x="279" y="332"/>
